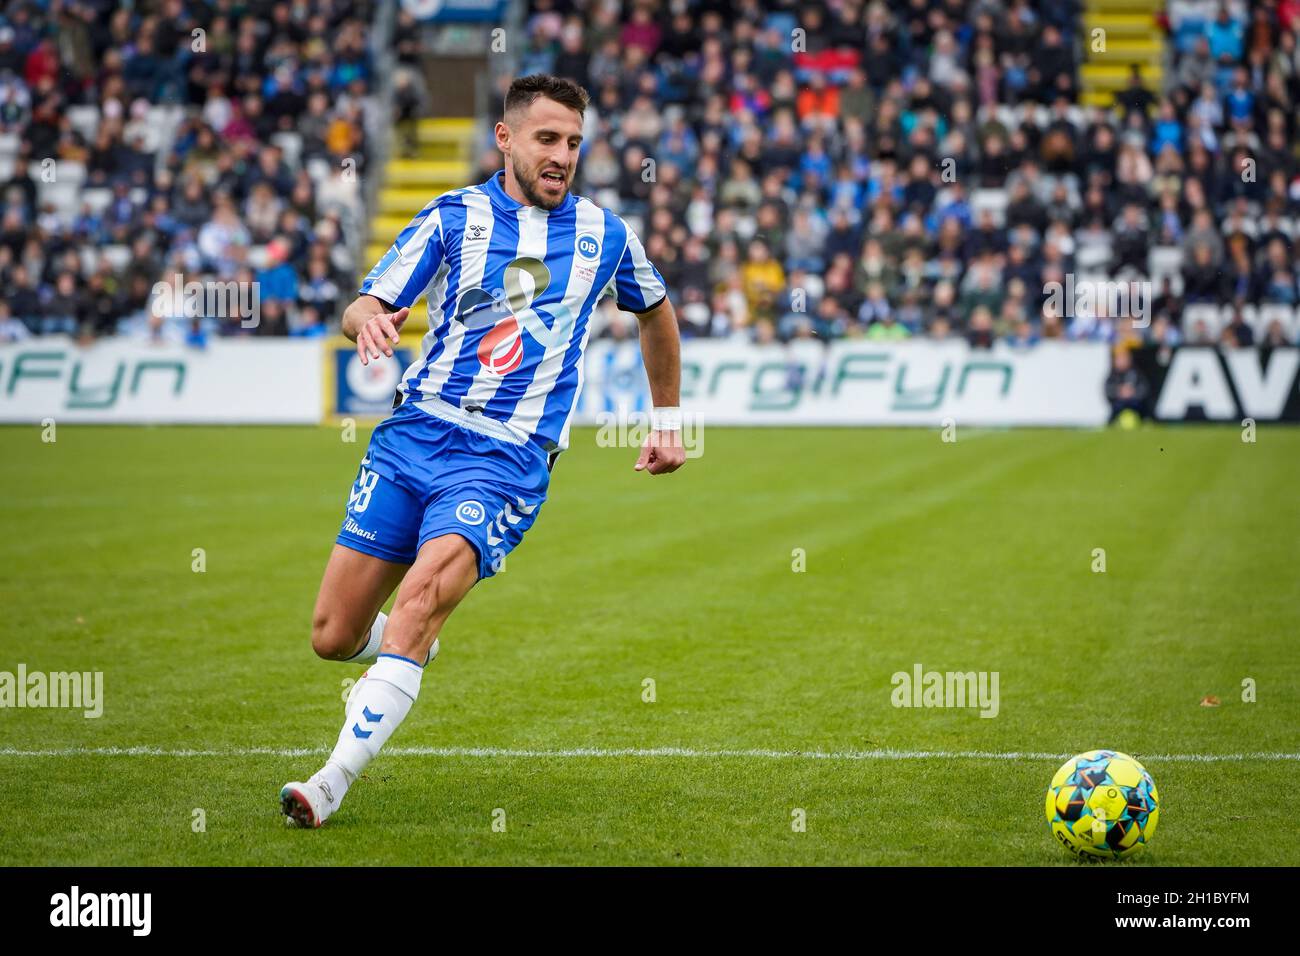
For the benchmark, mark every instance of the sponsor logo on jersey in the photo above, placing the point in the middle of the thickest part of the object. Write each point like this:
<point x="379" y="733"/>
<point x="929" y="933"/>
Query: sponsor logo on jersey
<point x="502" y="350"/>
<point x="351" y="527"/>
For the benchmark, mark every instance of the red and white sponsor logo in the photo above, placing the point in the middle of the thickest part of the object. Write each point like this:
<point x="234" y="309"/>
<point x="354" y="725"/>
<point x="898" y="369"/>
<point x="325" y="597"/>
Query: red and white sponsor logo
<point x="502" y="350"/>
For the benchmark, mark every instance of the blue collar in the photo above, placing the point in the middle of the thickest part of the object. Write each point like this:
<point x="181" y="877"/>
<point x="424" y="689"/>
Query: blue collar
<point x="496" y="190"/>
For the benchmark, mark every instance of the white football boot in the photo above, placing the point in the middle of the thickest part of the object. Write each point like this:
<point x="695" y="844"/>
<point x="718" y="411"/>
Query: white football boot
<point x="307" y="804"/>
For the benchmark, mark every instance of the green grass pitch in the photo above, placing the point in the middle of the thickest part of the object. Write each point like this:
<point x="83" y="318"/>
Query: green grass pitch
<point x="976" y="556"/>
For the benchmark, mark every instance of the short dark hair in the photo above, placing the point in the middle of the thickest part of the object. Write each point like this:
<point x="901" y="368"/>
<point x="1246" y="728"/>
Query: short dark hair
<point x="526" y="89"/>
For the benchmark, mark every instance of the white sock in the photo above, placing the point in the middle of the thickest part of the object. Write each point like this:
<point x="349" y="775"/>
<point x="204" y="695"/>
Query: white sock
<point x="370" y="653"/>
<point x="391" y="687"/>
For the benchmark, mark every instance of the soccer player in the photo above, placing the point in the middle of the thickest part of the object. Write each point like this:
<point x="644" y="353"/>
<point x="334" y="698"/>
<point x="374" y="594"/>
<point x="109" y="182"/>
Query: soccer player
<point x="458" y="472"/>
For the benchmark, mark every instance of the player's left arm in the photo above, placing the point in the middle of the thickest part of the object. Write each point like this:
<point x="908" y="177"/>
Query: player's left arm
<point x="640" y="289"/>
<point x="661" y="351"/>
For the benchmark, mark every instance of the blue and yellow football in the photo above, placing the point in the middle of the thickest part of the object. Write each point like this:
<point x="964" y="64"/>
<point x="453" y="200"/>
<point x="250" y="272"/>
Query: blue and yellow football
<point x="1103" y="805"/>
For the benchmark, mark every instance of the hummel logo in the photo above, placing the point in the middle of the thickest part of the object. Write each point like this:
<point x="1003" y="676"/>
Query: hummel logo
<point x="325" y="789"/>
<point x="476" y="231"/>
<point x="506" y="516"/>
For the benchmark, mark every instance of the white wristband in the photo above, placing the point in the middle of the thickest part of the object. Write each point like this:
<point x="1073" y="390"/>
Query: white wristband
<point x="666" y="419"/>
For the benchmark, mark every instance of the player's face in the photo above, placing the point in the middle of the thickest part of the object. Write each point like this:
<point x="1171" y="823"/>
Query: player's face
<point x="542" y="148"/>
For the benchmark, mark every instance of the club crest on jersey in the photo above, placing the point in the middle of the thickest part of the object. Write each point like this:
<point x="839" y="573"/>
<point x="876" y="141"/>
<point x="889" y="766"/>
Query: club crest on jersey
<point x="470" y="512"/>
<point x="588" y="247"/>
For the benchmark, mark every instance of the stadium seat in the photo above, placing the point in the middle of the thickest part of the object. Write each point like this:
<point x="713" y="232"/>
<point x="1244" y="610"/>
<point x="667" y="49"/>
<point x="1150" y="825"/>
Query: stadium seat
<point x="118" y="256"/>
<point x="991" y="199"/>
<point x="96" y="198"/>
<point x="290" y="143"/>
<point x="9" y="143"/>
<point x="1165" y="262"/>
<point x="85" y="120"/>
<point x="318" y="168"/>
<point x="1094" y="257"/>
<point x="64" y="197"/>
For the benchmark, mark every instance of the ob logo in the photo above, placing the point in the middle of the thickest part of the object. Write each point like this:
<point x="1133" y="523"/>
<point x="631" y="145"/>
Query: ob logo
<point x="588" y="246"/>
<point x="470" y="512"/>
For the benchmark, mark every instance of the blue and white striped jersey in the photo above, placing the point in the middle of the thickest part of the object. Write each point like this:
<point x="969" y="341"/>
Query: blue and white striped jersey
<point x="510" y="291"/>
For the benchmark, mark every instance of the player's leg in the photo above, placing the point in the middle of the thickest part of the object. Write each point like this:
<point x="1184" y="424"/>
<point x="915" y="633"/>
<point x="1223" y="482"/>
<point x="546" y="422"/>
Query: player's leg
<point x="443" y="573"/>
<point x="374" y="547"/>
<point x="466" y="533"/>
<point x="347" y="621"/>
<point x="347" y="624"/>
<point x="476" y="505"/>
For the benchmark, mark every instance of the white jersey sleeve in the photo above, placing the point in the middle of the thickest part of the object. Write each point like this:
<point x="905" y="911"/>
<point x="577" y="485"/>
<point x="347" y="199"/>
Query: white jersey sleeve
<point x="407" y="269"/>
<point x="637" y="284"/>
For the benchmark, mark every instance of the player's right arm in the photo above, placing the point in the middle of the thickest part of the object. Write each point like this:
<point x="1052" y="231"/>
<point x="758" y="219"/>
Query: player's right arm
<point x="374" y="319"/>
<point x="368" y="322"/>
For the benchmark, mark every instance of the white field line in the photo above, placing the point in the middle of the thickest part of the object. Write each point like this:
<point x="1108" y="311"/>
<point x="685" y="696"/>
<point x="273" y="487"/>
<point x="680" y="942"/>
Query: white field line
<point x="630" y="752"/>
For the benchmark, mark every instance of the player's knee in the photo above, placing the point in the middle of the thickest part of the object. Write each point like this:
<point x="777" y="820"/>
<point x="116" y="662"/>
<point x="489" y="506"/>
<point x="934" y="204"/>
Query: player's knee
<point x="331" y="639"/>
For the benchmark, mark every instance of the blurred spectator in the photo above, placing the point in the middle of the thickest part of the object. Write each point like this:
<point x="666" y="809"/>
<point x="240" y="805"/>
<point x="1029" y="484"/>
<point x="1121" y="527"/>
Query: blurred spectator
<point x="1237" y="333"/>
<point x="921" y="168"/>
<point x="932" y="162"/>
<point x="178" y="155"/>
<point x="1274" y="335"/>
<point x="1126" y="387"/>
<point x="11" y="329"/>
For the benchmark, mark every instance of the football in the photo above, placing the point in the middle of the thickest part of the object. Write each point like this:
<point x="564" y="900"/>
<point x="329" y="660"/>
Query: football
<point x="1102" y="805"/>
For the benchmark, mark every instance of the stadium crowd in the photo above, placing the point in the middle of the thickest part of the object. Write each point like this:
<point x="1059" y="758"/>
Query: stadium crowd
<point x="924" y="168"/>
<point x="220" y="141"/>
<point x="888" y="169"/>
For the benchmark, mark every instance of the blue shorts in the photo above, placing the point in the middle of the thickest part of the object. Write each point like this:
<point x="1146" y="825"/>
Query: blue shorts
<point x="423" y="477"/>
